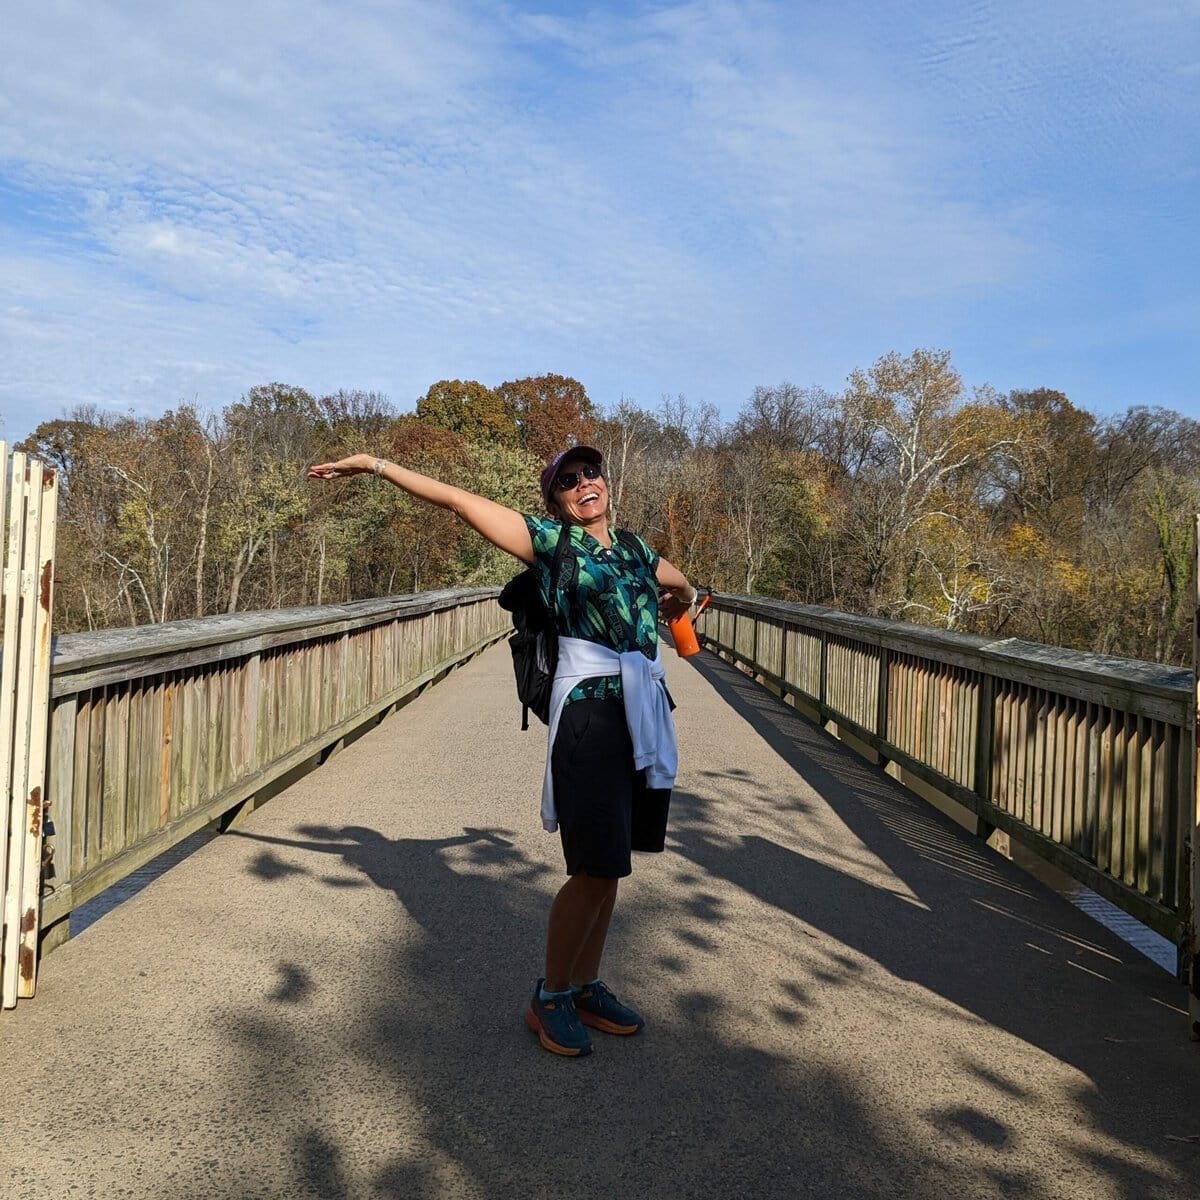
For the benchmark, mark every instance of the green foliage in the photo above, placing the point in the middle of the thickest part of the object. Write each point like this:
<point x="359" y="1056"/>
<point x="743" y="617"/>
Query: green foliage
<point x="467" y="408"/>
<point x="508" y="476"/>
<point x="796" y="501"/>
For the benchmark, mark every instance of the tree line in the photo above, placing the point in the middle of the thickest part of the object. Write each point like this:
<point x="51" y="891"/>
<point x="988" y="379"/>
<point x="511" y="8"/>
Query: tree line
<point x="906" y="495"/>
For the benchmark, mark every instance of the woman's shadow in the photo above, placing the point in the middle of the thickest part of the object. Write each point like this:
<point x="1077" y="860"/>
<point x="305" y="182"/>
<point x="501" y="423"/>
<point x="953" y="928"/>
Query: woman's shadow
<point x="474" y="897"/>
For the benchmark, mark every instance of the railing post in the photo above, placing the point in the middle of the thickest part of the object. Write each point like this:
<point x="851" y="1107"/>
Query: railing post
<point x="984" y="728"/>
<point x="881" y="702"/>
<point x="41" y="553"/>
<point x="822" y="689"/>
<point x="24" y="712"/>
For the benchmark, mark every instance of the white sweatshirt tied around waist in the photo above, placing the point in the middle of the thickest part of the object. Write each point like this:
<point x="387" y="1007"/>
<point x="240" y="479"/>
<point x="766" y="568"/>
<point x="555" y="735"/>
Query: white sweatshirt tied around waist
<point x="647" y="710"/>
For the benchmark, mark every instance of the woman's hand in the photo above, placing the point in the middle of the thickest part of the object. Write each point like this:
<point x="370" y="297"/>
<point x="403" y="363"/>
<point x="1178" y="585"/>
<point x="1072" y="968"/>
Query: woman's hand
<point x="674" y="601"/>
<point x="675" y="594"/>
<point x="356" y="464"/>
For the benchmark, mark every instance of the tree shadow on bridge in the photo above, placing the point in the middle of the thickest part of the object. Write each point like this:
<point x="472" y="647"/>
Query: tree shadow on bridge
<point x="419" y="1080"/>
<point x="968" y="926"/>
<point x="691" y="1108"/>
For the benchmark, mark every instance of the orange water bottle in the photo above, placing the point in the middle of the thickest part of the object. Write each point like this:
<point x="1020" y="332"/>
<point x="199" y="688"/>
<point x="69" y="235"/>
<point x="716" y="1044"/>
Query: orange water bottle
<point x="684" y="635"/>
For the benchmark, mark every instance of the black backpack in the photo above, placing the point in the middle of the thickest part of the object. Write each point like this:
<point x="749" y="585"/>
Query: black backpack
<point x="534" y="639"/>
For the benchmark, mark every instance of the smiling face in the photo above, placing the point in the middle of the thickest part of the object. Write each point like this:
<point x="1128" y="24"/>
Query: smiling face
<point x="586" y="503"/>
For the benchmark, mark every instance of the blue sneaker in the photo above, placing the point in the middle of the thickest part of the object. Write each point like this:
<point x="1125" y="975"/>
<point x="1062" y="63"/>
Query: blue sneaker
<point x="600" y="1009"/>
<point x="556" y="1023"/>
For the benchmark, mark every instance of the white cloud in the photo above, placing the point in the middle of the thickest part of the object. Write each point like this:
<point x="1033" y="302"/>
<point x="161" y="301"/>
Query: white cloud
<point x="691" y="196"/>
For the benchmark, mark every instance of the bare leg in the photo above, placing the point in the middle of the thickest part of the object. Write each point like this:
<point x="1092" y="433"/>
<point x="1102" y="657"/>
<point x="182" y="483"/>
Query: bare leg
<point x="587" y="963"/>
<point x="578" y="926"/>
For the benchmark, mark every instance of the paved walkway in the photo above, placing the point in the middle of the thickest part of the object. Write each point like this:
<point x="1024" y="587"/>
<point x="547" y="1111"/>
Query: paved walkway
<point x="846" y="996"/>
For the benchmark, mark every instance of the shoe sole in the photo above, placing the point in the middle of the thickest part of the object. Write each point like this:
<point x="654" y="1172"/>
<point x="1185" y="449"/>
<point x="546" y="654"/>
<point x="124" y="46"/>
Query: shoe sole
<point x="605" y="1025"/>
<point x="535" y="1026"/>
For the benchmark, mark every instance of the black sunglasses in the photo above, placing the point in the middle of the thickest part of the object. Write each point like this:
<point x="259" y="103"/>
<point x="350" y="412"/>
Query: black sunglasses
<point x="568" y="479"/>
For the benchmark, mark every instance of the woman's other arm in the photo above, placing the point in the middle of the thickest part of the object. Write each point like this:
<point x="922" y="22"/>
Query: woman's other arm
<point x="677" y="595"/>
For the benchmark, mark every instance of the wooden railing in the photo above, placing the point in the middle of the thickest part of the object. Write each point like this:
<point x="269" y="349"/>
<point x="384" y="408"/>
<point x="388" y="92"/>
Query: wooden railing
<point x="28" y="512"/>
<point x="157" y="731"/>
<point x="1084" y="759"/>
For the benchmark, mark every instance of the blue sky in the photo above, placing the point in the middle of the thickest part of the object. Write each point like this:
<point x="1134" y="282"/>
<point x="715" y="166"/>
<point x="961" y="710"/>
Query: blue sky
<point x="656" y="198"/>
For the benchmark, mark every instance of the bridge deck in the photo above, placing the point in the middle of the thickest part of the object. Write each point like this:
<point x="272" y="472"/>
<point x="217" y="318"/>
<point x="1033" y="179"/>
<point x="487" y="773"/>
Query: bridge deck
<point x="846" y="995"/>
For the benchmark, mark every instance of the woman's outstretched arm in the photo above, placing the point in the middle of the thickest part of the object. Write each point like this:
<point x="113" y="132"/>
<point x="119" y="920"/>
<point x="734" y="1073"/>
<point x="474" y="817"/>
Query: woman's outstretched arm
<point x="502" y="526"/>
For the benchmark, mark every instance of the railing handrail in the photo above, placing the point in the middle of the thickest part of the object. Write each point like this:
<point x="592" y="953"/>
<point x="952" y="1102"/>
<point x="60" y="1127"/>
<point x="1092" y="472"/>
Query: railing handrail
<point x="1010" y="658"/>
<point x="140" y="649"/>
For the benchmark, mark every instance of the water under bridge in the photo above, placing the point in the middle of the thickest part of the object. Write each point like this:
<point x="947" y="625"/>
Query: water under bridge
<point x="848" y="994"/>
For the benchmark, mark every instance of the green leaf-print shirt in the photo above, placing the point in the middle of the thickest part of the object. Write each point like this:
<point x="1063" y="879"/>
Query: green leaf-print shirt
<point x="610" y="596"/>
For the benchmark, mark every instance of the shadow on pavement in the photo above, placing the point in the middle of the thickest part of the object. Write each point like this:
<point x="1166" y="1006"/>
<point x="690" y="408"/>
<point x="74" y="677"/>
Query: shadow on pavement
<point x="986" y="937"/>
<point x="688" y="1109"/>
<point x="724" y="1095"/>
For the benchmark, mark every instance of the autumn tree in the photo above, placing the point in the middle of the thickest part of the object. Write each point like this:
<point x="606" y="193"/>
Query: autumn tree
<point x="924" y="435"/>
<point x="660" y="474"/>
<point x="271" y="436"/>
<point x="193" y="445"/>
<point x="626" y="435"/>
<point x="1170" y="500"/>
<point x="906" y="494"/>
<point x="88" y="593"/>
<point x="129" y="513"/>
<point x="786" y="417"/>
<point x="421" y="542"/>
<point x="1131" y="443"/>
<point x="59" y="443"/>
<point x="1144" y="486"/>
<point x="771" y="503"/>
<point x="509" y="476"/>
<point x="1043" y="472"/>
<point x="468" y="409"/>
<point x="355" y="417"/>
<point x="548" y="412"/>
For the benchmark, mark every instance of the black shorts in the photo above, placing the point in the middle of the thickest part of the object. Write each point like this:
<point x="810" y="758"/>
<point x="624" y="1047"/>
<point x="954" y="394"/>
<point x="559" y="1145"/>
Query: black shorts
<point x="604" y="807"/>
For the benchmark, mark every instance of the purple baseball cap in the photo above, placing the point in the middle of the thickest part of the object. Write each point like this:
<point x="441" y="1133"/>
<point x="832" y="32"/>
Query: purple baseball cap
<point x="550" y="471"/>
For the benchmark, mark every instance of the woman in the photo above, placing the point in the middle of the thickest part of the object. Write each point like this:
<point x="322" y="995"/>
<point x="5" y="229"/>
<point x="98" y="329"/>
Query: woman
<point x="611" y="754"/>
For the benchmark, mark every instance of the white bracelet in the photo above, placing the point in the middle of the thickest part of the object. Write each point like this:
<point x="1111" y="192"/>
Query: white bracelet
<point x="380" y="463"/>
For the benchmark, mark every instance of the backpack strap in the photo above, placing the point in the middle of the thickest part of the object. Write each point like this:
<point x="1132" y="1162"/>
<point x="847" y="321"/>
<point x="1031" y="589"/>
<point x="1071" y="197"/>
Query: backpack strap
<point x="560" y="548"/>
<point x="633" y="544"/>
<point x="564" y="538"/>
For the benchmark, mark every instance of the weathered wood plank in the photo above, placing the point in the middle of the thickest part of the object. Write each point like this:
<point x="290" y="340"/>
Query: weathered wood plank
<point x="60" y="784"/>
<point x="1076" y="749"/>
<point x="148" y="649"/>
<point x="166" y="753"/>
<point x="1143" y="834"/>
